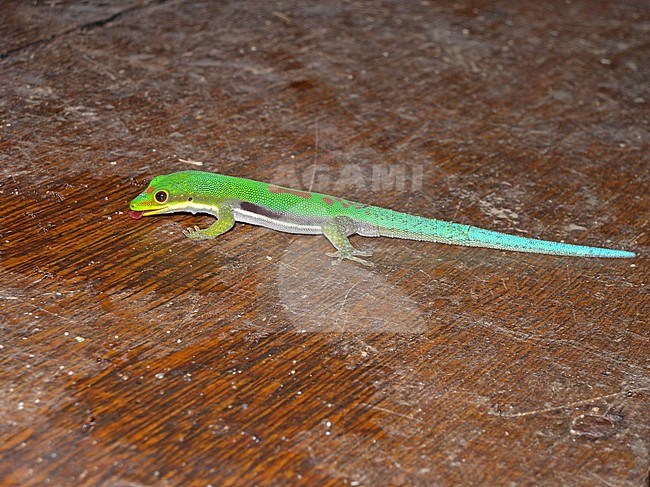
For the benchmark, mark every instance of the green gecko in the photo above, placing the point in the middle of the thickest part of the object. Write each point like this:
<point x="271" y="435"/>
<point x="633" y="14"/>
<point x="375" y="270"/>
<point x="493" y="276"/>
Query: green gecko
<point x="231" y="199"/>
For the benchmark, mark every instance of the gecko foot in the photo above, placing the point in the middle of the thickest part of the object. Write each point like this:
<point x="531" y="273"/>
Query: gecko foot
<point x="195" y="233"/>
<point x="339" y="255"/>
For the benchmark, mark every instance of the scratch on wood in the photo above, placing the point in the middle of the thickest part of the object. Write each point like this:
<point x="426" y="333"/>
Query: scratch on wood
<point x="343" y="303"/>
<point x="569" y="404"/>
<point x="389" y="411"/>
<point x="522" y="336"/>
<point x="189" y="161"/>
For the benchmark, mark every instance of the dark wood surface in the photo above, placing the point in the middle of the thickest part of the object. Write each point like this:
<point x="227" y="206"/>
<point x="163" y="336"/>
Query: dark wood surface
<point x="131" y="355"/>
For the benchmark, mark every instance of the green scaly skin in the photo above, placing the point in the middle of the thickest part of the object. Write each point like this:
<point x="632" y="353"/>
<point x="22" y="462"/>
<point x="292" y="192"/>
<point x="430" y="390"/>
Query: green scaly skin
<point x="232" y="199"/>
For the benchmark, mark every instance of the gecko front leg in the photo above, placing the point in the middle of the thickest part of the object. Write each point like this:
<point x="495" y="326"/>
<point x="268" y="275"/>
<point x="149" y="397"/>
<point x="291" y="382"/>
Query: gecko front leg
<point x="225" y="221"/>
<point x="337" y="231"/>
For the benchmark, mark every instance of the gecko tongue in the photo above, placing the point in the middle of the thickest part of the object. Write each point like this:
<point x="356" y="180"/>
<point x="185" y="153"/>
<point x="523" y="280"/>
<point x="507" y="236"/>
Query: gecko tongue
<point x="136" y="215"/>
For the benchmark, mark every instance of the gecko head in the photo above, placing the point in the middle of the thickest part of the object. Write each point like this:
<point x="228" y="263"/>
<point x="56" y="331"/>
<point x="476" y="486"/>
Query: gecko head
<point x="165" y="194"/>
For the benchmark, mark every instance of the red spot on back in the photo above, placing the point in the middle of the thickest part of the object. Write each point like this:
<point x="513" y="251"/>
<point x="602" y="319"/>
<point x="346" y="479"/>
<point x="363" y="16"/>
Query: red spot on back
<point x="343" y="203"/>
<point x="328" y="200"/>
<point x="295" y="192"/>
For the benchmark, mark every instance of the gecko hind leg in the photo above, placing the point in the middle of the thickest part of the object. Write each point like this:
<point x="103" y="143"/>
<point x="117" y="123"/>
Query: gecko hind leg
<point x="337" y="231"/>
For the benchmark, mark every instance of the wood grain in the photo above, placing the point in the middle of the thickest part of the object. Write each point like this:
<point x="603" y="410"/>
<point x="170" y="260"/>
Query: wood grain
<point x="133" y="356"/>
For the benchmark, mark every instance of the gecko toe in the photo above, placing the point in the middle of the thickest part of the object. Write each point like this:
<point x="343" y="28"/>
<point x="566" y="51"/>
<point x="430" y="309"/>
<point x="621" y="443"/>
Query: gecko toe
<point x="340" y="255"/>
<point x="362" y="252"/>
<point x="367" y="263"/>
<point x="194" y="233"/>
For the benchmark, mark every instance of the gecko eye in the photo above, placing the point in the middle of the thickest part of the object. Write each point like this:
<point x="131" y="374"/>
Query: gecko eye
<point x="161" y="196"/>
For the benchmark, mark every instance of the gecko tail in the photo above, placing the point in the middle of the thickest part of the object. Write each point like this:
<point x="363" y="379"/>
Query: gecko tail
<point x="497" y="240"/>
<point x="457" y="234"/>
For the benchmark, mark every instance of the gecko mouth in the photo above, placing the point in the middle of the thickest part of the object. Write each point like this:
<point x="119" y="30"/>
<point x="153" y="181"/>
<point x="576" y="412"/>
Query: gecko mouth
<point x="136" y="215"/>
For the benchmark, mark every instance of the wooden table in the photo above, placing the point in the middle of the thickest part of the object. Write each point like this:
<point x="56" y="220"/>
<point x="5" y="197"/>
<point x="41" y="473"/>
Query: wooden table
<point x="133" y="356"/>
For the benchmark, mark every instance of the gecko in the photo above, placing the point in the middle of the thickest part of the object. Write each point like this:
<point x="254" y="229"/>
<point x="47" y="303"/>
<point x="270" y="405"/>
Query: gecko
<point x="232" y="199"/>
